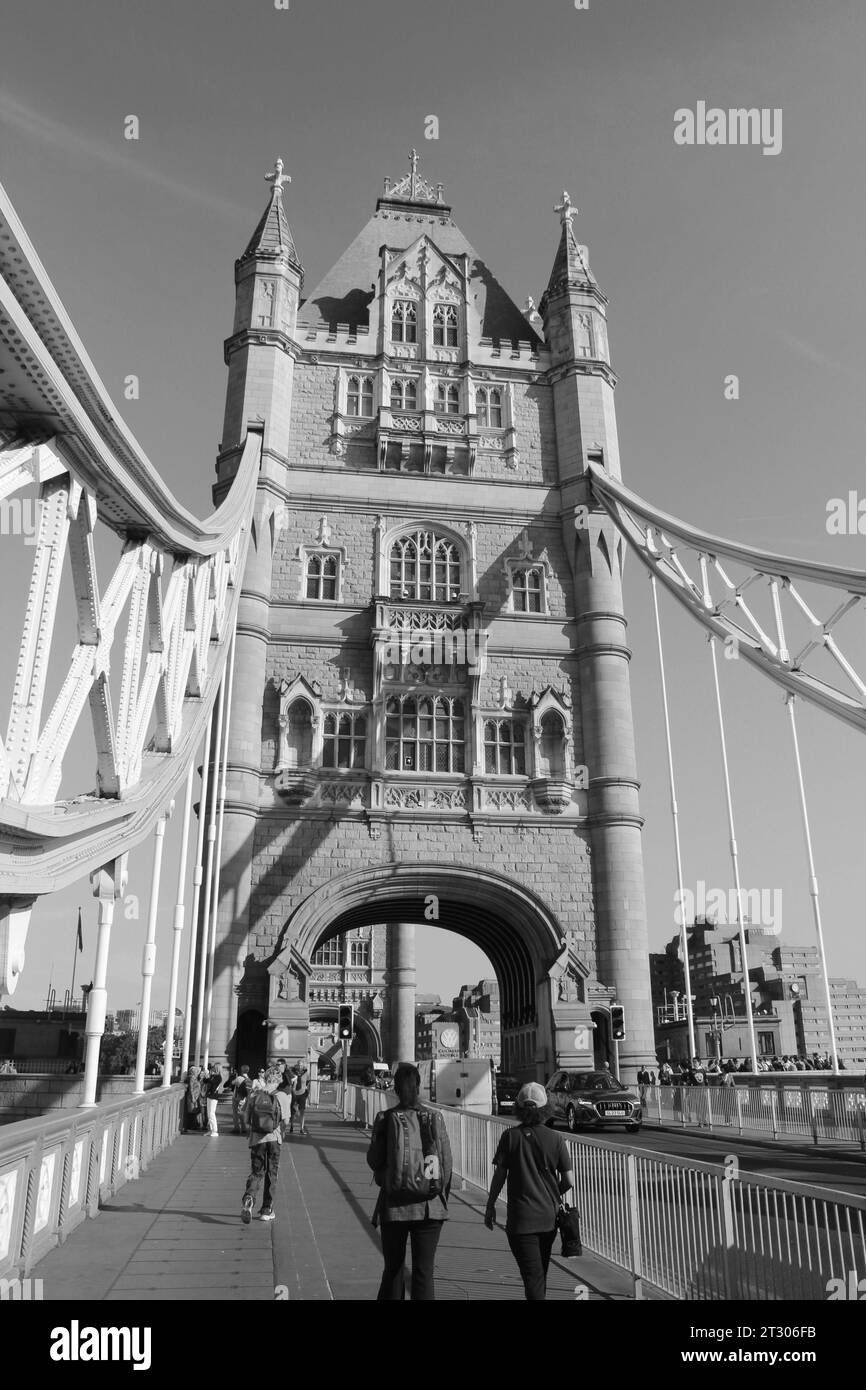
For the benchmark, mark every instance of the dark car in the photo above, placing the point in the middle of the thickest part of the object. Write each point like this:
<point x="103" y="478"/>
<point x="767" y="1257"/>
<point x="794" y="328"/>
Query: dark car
<point x="506" y="1091"/>
<point x="592" y="1100"/>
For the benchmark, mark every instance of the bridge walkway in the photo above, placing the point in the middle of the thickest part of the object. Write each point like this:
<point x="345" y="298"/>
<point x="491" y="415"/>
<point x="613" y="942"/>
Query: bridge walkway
<point x="176" y="1233"/>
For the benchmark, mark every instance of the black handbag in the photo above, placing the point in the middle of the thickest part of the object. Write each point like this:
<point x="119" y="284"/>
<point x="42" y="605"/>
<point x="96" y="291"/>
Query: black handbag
<point x="567" y="1218"/>
<point x="568" y="1225"/>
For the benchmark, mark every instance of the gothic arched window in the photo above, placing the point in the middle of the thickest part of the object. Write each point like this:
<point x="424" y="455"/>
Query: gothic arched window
<point x="488" y="407"/>
<point x="329" y="954"/>
<point x="359" y="950"/>
<point x="425" y="734"/>
<point x="426" y="567"/>
<point x="404" y="321"/>
<point x="404" y="394"/>
<point x="321" y="576"/>
<point x="447" y="399"/>
<point x="504" y="747"/>
<point x="344" y="740"/>
<point x="527" y="589"/>
<point x="359" y="396"/>
<point x="299" y="735"/>
<point x="551" y="746"/>
<point x="444" y="325"/>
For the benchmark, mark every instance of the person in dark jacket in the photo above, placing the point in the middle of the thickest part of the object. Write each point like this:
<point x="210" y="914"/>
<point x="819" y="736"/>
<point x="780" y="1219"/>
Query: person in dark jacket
<point x="403" y="1217"/>
<point x="192" y="1102"/>
<point x="213" y="1088"/>
<point x="535" y="1164"/>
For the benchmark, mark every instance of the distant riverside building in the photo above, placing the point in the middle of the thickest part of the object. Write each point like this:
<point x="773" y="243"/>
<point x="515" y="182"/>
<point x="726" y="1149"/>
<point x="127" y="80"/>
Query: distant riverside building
<point x="127" y="1020"/>
<point x="27" y="1034"/>
<point x="477" y="1010"/>
<point x="788" y="1000"/>
<point x="470" y="1028"/>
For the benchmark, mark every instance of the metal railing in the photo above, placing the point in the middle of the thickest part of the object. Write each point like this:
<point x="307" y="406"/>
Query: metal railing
<point x="779" y="1112"/>
<point x="691" y="1230"/>
<point x="54" y="1171"/>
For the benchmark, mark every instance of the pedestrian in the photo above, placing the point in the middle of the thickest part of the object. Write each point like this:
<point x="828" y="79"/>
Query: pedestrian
<point x="192" y="1102"/>
<point x="300" y="1094"/>
<point x="643" y="1082"/>
<point x="665" y="1074"/>
<point x="410" y="1156"/>
<point x="240" y="1092"/>
<point x="535" y="1164"/>
<point x="265" y="1115"/>
<point x="213" y="1090"/>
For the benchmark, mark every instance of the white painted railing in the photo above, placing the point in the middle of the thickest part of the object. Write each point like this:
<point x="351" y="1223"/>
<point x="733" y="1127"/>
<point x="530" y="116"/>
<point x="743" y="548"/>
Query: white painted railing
<point x="690" y="1230"/>
<point x="54" y="1171"/>
<point x="814" y="1113"/>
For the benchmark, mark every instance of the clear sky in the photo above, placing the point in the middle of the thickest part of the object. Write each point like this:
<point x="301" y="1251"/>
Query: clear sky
<point x="716" y="260"/>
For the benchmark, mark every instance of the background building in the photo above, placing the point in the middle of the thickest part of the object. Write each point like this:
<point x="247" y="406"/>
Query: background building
<point x="787" y="992"/>
<point x="476" y="1009"/>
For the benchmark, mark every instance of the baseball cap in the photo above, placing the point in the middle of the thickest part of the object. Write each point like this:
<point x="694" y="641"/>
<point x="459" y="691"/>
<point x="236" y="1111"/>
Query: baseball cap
<point x="532" y="1094"/>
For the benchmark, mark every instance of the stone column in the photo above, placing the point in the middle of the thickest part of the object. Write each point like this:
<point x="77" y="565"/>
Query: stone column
<point x="400" y="991"/>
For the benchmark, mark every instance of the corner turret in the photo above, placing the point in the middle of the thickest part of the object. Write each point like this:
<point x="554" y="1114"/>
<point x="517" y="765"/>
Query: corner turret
<point x="268" y="281"/>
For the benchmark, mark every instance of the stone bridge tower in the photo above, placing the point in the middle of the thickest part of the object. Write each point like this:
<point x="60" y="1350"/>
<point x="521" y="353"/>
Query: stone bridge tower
<point x="431" y="717"/>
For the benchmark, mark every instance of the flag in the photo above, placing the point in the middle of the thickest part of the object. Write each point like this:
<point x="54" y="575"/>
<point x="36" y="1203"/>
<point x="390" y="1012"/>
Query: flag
<point x="80" y="937"/>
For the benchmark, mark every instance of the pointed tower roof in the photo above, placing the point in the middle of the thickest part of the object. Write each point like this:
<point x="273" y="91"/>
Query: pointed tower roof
<point x="273" y="235"/>
<point x="410" y="208"/>
<point x="570" y="263"/>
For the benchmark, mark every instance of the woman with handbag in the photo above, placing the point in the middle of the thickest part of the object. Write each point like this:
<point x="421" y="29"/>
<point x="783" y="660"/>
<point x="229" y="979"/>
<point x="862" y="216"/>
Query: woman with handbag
<point x="535" y="1163"/>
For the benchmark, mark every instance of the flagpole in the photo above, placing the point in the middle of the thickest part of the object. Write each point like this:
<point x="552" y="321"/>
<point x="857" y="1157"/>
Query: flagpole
<point x="75" y="962"/>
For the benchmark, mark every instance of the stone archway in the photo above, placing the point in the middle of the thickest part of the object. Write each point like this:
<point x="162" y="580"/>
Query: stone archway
<point x="545" y="1017"/>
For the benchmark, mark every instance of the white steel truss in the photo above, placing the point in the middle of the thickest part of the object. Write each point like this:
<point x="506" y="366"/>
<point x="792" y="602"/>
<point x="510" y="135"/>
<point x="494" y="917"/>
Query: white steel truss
<point x="776" y="628"/>
<point x="164" y="619"/>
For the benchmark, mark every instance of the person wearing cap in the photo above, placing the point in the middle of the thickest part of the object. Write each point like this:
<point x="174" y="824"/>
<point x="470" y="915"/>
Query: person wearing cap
<point x="535" y="1163"/>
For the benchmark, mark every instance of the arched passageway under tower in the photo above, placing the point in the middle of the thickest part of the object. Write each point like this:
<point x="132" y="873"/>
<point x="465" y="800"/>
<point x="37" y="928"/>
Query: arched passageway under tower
<point x="545" y="1018"/>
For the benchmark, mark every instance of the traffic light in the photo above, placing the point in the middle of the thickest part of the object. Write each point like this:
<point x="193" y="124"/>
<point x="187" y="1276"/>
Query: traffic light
<point x="617" y="1022"/>
<point x="346" y="1021"/>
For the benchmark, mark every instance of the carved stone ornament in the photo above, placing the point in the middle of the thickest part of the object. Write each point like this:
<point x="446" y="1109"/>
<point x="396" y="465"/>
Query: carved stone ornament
<point x="568" y="989"/>
<point x="288" y="986"/>
<point x="553" y="796"/>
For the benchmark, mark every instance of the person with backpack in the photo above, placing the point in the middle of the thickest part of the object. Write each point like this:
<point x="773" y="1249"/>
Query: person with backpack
<point x="410" y="1157"/>
<point x="535" y="1163"/>
<point x="265" y="1114"/>
<point x="240" y="1091"/>
<point x="300" y="1094"/>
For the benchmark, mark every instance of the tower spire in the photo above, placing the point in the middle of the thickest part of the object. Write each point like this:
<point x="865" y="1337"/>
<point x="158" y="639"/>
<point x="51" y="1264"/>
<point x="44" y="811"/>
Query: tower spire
<point x="570" y="264"/>
<point x="273" y="235"/>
